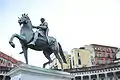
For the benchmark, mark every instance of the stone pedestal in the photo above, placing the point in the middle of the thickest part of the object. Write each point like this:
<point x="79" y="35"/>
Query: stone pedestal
<point x="27" y="72"/>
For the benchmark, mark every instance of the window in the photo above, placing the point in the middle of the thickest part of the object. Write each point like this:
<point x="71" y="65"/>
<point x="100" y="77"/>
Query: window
<point x="78" y="55"/>
<point x="101" y="49"/>
<point x="73" y="62"/>
<point x="98" y="49"/>
<point x="104" y="49"/>
<point x="79" y="61"/>
<point x="77" y="78"/>
<point x="70" y="64"/>
<point x="108" y="50"/>
<point x="72" y="79"/>
<point x="98" y="61"/>
<point x="92" y="61"/>
<point x="111" y="78"/>
<point x="98" y="55"/>
<point x="95" y="48"/>
<point x="109" y="56"/>
<point x="109" y="61"/>
<point x="101" y="55"/>
<point x="101" y="62"/>
<point x="102" y="78"/>
<point x="112" y="55"/>
<point x="95" y="55"/>
<point x="106" y="61"/>
<point x="113" y="50"/>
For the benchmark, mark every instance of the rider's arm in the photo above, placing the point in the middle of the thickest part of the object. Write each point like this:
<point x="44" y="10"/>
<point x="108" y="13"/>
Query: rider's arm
<point x="36" y="27"/>
<point x="45" y="26"/>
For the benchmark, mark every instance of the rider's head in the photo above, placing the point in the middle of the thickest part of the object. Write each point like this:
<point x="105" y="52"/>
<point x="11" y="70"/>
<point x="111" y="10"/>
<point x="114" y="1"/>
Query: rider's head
<point x="42" y="20"/>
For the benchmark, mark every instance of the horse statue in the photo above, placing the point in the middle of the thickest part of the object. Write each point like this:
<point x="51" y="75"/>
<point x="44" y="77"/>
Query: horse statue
<point x="27" y="35"/>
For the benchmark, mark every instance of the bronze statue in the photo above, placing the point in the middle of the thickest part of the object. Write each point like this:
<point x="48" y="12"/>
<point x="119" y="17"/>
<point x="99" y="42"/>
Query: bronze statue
<point x="39" y="40"/>
<point x="42" y="29"/>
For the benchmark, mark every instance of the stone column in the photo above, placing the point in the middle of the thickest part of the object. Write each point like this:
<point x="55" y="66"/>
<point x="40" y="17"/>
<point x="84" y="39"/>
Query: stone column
<point x="89" y="77"/>
<point x="97" y="76"/>
<point x="115" y="76"/>
<point x="81" y="77"/>
<point x="106" y="77"/>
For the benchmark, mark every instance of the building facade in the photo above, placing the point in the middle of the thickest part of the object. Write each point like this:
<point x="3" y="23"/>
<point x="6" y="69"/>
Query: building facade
<point x="6" y="64"/>
<point x="8" y="61"/>
<point x="103" y="72"/>
<point x="101" y="63"/>
<point x="80" y="57"/>
<point x="103" y="54"/>
<point x="89" y="55"/>
<point x="94" y="62"/>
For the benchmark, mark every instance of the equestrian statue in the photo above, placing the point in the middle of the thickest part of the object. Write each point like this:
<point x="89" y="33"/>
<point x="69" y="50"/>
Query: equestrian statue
<point x="39" y="40"/>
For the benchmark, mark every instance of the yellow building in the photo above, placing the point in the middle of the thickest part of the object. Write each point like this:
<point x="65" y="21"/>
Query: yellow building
<point x="56" y="65"/>
<point x="80" y="57"/>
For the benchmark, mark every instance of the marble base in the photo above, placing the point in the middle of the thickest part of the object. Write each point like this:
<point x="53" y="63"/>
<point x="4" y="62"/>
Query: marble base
<point x="28" y="72"/>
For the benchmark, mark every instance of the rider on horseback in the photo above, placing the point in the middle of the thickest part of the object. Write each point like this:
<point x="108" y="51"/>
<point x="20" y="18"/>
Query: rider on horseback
<point x="44" y="27"/>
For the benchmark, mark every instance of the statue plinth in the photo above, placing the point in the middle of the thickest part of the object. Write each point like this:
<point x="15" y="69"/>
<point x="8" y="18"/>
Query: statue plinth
<point x="28" y="72"/>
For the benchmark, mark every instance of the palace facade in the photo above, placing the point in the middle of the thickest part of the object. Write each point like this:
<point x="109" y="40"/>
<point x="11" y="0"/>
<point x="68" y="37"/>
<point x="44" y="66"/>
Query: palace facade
<point x="94" y="62"/>
<point x="102" y="72"/>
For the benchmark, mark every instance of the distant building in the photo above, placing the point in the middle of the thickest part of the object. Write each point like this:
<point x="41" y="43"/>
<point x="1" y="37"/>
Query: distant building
<point x="95" y="62"/>
<point x="6" y="64"/>
<point x="101" y="72"/>
<point x="80" y="57"/>
<point x="102" y="54"/>
<point x="8" y="61"/>
<point x="56" y="65"/>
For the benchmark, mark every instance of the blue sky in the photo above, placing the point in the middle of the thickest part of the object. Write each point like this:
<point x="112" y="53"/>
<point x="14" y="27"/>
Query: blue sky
<point x="73" y="23"/>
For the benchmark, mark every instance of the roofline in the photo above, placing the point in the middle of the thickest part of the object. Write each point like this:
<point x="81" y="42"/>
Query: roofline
<point x="104" y="46"/>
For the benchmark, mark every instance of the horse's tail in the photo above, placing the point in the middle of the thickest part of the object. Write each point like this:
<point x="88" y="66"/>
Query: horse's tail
<point x="61" y="53"/>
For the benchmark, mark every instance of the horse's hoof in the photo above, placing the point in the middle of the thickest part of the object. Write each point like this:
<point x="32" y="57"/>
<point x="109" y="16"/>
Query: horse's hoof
<point x="43" y="65"/>
<point x="12" y="44"/>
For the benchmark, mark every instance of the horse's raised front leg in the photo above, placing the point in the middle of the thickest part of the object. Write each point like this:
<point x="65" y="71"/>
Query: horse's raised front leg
<point x="21" y="38"/>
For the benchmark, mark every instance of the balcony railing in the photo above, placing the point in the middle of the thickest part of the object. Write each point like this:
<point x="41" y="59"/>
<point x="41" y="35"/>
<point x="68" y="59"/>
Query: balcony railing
<point x="4" y="70"/>
<point x="93" y="68"/>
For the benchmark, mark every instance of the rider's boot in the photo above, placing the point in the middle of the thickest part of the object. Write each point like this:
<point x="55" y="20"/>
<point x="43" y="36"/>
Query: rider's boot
<point x="33" y="42"/>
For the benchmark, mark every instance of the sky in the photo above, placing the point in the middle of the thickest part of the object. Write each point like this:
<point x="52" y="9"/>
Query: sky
<point x="74" y="23"/>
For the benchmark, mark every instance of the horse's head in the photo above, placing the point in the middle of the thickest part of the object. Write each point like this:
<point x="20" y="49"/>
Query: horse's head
<point x="24" y="19"/>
